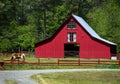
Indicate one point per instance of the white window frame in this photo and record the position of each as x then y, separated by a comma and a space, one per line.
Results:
74, 37
71, 37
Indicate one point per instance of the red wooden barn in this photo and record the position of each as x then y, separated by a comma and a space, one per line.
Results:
75, 38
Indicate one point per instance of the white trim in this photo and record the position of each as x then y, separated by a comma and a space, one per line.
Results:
68, 37
74, 37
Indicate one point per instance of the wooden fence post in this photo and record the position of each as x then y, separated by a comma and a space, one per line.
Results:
58, 61
98, 61
1, 65
119, 62
79, 61
38, 61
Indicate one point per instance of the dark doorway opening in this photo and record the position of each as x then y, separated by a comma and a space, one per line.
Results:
71, 50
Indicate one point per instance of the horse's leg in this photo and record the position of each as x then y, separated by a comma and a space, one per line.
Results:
22, 59
11, 59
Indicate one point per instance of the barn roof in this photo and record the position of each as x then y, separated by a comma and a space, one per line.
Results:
84, 24
86, 27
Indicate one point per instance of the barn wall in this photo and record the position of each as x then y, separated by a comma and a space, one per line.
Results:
53, 49
89, 47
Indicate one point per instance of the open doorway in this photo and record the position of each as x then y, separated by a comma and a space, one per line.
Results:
71, 50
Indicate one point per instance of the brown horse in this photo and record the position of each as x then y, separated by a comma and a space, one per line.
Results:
19, 56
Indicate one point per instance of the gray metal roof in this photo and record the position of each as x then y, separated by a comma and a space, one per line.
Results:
90, 30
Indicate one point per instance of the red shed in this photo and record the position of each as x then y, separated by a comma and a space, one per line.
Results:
75, 38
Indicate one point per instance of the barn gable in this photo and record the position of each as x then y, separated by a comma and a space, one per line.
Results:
90, 30
89, 43
84, 24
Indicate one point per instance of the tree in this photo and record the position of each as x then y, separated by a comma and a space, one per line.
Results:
105, 20
25, 22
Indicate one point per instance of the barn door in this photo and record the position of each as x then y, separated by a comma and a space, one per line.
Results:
71, 50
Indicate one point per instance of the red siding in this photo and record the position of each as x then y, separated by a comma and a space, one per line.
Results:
89, 46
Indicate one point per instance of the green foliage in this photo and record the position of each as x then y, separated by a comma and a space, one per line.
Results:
105, 20
99, 21
22, 21
4, 45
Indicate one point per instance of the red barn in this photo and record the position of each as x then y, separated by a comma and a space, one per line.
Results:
75, 38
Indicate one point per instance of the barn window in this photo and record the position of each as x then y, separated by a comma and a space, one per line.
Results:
71, 25
71, 37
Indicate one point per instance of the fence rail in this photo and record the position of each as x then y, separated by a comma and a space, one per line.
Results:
88, 62
80, 62
64, 62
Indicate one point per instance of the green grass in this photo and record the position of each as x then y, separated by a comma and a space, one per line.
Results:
33, 67
111, 66
88, 77
4, 58
33, 59
10, 82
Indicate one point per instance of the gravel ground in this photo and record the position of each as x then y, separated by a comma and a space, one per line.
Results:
23, 76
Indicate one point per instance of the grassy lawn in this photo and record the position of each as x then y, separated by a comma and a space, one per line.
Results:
34, 67
10, 82
87, 77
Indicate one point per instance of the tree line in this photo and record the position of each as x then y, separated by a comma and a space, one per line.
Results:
26, 22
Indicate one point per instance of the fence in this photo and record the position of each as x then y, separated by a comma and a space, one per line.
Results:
1, 65
80, 62
64, 62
